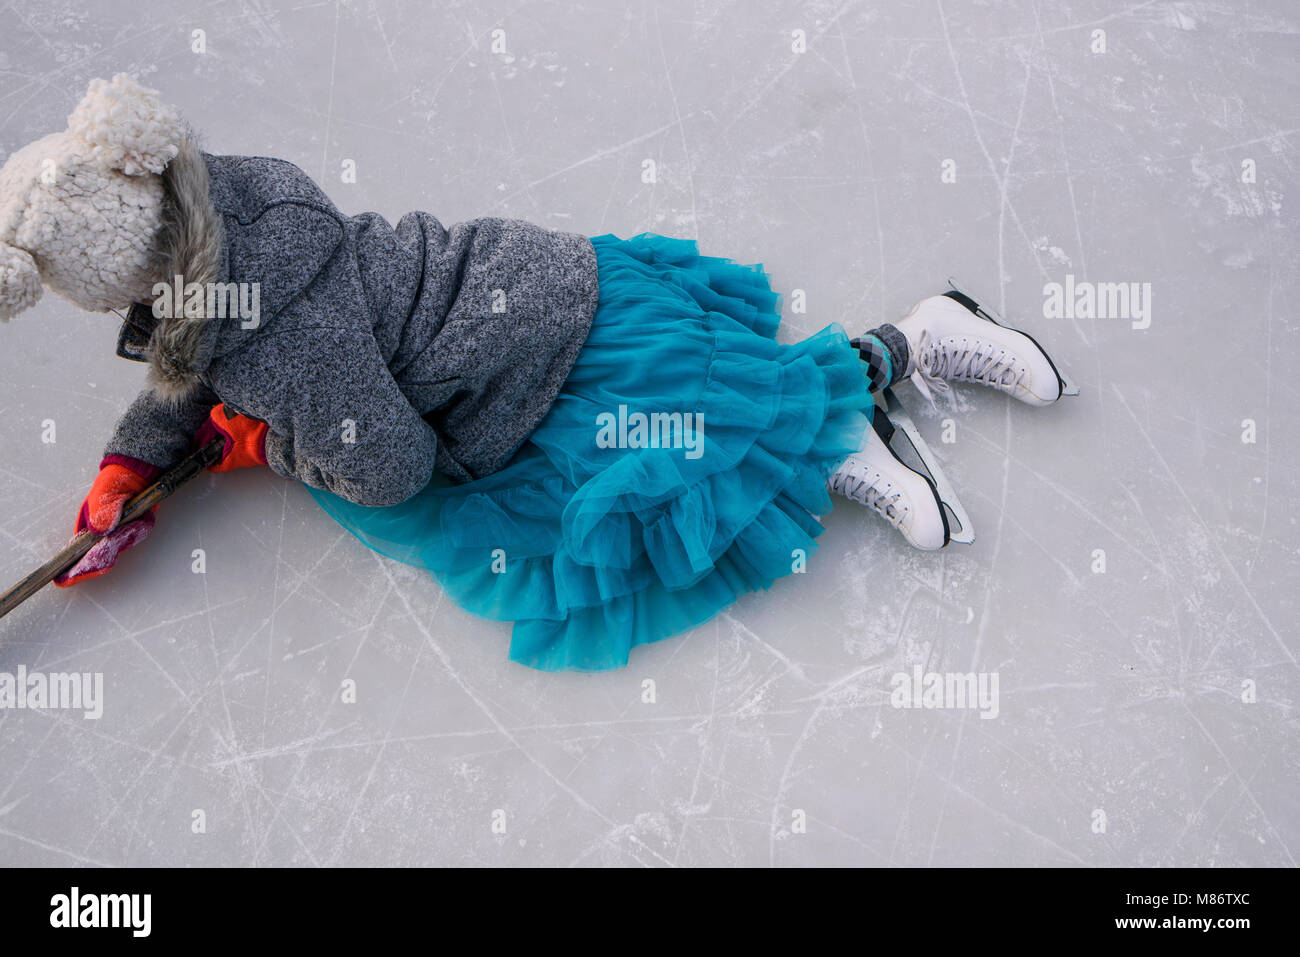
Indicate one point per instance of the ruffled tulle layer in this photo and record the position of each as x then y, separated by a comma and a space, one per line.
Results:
592, 544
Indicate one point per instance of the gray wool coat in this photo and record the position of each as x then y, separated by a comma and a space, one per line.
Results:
378, 354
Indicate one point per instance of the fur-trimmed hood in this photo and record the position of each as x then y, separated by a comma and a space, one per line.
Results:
190, 243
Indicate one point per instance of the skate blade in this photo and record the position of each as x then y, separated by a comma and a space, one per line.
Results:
1068, 386
960, 529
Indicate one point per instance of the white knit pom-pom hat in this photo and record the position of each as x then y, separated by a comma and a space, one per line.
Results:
80, 209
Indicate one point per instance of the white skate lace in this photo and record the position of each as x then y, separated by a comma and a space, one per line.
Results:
871, 489
938, 360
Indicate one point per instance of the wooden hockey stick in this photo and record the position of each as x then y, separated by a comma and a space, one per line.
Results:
72, 553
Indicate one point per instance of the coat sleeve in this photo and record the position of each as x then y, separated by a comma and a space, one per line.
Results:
336, 418
157, 431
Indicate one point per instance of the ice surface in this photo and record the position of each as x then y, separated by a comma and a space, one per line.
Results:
771, 738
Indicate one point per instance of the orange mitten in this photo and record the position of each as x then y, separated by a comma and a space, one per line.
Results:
120, 478
245, 439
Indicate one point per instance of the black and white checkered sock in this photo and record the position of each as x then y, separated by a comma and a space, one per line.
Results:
886, 353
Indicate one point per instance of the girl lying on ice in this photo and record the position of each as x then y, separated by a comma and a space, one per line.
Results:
598, 439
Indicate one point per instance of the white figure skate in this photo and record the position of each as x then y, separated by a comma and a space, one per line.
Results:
960, 529
954, 338
918, 503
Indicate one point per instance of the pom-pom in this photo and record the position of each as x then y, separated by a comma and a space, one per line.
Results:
20, 281
128, 126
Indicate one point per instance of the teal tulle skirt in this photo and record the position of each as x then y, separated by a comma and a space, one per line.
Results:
613, 527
